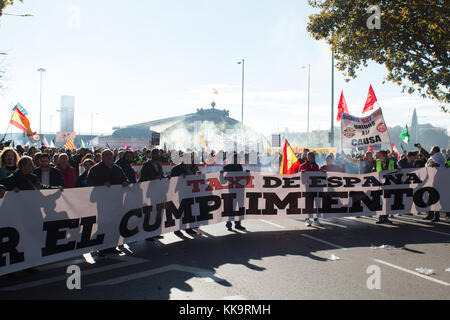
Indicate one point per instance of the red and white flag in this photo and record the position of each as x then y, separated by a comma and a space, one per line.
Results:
394, 148
342, 107
371, 99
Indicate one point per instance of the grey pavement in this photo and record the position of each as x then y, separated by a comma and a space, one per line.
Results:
273, 259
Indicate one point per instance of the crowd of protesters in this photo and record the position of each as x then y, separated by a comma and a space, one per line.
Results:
30, 168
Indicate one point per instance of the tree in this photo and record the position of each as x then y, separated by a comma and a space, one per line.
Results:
4, 3
412, 41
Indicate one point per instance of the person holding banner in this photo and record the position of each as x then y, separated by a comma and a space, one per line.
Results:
435, 160
46, 174
2, 191
67, 171
106, 173
125, 163
407, 162
331, 167
310, 165
9, 159
23, 178
152, 170
82, 179
368, 163
184, 170
384, 164
234, 167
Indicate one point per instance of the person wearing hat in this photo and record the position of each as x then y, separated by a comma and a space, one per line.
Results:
384, 164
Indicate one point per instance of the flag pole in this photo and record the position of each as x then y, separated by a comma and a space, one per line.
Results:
9, 123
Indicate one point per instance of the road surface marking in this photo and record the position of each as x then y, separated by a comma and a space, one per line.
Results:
128, 261
323, 241
234, 298
272, 224
202, 273
333, 224
89, 259
413, 272
438, 232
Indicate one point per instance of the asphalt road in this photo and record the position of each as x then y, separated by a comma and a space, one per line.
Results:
276, 259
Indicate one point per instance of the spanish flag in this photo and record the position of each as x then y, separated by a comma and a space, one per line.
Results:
69, 145
202, 141
290, 162
19, 120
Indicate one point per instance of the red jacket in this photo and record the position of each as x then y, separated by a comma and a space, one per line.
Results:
69, 176
308, 167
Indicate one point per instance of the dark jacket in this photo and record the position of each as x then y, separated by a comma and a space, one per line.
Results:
149, 173
186, 169
55, 177
100, 174
404, 164
23, 182
6, 171
367, 166
127, 169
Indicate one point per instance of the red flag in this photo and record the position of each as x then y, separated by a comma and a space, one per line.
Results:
371, 99
342, 107
394, 148
370, 148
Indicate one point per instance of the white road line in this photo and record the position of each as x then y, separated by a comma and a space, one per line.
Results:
323, 241
438, 232
273, 224
128, 261
333, 224
412, 272
202, 273
61, 264
402, 221
234, 298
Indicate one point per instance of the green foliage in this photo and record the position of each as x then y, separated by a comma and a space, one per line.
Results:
4, 3
413, 42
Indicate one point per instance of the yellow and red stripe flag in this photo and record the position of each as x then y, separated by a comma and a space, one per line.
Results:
290, 162
69, 145
20, 121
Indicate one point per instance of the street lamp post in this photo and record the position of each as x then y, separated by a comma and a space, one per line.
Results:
41, 70
309, 95
243, 72
332, 100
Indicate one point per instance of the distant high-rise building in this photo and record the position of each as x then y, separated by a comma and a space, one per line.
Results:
67, 111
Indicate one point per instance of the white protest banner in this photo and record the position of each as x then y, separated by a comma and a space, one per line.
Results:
40, 227
363, 132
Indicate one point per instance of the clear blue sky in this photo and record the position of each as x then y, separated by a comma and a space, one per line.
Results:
136, 61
